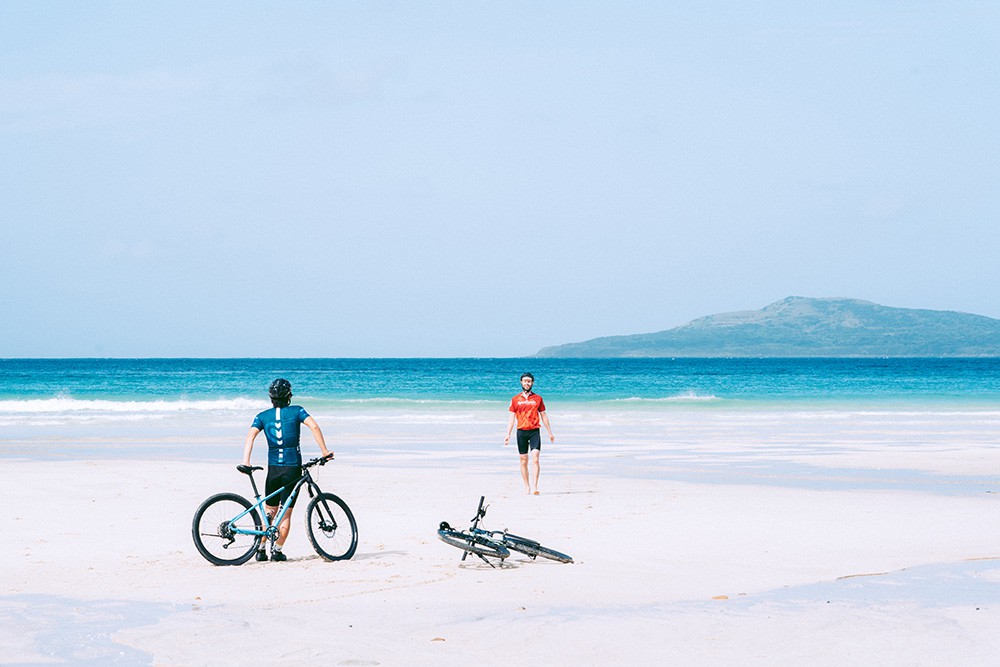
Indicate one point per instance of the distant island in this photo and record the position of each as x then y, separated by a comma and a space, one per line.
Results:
807, 327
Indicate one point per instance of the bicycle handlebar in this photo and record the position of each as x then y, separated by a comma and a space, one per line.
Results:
322, 460
481, 512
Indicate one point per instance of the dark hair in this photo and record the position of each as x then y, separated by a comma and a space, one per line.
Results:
528, 375
280, 392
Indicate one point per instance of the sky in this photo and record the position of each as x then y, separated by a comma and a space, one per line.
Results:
482, 179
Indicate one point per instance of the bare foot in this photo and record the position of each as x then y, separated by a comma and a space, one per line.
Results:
536, 493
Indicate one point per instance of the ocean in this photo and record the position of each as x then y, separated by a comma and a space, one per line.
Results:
136, 385
187, 407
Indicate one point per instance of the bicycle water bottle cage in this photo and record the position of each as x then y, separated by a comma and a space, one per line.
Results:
247, 470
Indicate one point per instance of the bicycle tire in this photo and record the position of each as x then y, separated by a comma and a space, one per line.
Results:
532, 548
212, 535
332, 528
476, 544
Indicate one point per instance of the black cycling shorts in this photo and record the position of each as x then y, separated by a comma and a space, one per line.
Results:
528, 440
281, 476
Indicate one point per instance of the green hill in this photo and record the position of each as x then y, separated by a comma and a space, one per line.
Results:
804, 327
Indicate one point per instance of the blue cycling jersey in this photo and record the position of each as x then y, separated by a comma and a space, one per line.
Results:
281, 427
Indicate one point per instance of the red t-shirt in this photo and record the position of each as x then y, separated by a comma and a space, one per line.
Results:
526, 408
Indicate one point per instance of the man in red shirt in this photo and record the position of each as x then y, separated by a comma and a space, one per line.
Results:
526, 410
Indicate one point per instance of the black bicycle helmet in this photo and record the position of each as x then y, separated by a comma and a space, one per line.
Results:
528, 375
280, 391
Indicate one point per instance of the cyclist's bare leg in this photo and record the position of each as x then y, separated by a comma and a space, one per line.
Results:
272, 511
535, 468
524, 473
283, 528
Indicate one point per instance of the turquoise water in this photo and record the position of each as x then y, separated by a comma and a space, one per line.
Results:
823, 422
77, 384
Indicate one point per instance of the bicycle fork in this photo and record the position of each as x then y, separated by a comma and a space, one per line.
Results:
327, 520
480, 513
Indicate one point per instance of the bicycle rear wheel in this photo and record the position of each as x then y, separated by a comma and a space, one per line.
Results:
475, 544
214, 534
332, 529
532, 548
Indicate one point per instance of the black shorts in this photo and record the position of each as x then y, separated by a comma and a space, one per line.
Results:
281, 476
528, 440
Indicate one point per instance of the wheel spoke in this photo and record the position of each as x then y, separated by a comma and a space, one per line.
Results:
332, 529
214, 534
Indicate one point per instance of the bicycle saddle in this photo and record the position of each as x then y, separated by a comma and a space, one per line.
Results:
246, 470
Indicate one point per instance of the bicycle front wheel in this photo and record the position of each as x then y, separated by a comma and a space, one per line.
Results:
532, 548
476, 544
216, 534
332, 529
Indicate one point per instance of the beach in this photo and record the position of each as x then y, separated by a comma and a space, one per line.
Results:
741, 537
742, 250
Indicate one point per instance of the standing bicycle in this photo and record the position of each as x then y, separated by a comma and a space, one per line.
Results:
281, 425
228, 529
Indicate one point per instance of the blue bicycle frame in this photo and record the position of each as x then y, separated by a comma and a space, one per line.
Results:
225, 539
270, 526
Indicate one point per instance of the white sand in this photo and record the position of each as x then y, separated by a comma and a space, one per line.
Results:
690, 549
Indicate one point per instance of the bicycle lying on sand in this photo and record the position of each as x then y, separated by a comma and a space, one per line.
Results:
228, 528
494, 543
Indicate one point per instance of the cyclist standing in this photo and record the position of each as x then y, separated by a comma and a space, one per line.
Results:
281, 425
526, 410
